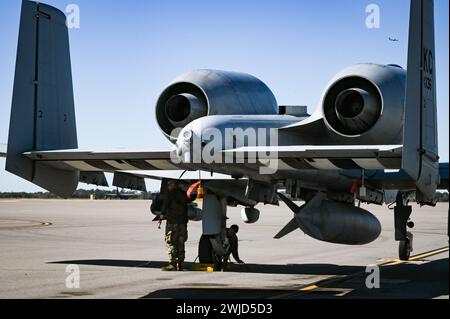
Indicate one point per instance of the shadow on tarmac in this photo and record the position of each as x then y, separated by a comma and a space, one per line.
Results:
405, 281
290, 269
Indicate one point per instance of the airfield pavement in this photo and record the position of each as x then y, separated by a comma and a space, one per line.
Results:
119, 252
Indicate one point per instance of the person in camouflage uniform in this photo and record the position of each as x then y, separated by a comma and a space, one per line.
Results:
174, 210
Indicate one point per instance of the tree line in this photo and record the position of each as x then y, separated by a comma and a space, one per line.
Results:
110, 194
80, 194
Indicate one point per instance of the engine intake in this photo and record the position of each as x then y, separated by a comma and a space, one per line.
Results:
364, 103
352, 106
182, 109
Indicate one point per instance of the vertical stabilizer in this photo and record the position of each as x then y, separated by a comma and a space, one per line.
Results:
420, 152
42, 111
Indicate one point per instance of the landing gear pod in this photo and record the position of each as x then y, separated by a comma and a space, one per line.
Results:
250, 215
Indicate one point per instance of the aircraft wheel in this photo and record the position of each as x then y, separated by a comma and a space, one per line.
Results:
405, 248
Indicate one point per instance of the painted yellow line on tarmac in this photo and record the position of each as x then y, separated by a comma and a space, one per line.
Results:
309, 288
392, 263
417, 257
429, 254
323, 283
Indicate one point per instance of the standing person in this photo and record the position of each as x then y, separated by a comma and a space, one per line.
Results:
174, 209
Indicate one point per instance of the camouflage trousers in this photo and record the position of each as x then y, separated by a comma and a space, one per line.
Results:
176, 236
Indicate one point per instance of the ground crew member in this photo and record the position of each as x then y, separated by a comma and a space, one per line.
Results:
174, 209
233, 241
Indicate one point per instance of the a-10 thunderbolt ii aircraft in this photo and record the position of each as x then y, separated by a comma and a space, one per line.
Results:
370, 119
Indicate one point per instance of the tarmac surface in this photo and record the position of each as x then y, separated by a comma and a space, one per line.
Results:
119, 251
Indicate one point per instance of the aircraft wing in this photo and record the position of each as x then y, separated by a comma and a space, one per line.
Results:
312, 157
152, 164
107, 161
182, 175
130, 168
118, 154
328, 157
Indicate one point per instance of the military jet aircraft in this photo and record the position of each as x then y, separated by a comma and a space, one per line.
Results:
371, 119
121, 195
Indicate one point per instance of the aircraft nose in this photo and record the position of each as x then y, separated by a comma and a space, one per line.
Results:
184, 144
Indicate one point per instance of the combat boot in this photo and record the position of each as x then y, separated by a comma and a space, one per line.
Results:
169, 267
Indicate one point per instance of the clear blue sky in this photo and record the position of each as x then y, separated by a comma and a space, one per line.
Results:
127, 51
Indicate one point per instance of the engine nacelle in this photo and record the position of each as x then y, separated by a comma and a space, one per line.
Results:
366, 101
250, 215
209, 92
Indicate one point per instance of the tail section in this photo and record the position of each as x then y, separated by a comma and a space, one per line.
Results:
420, 150
42, 113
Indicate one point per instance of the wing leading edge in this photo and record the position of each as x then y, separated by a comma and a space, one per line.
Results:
107, 161
311, 157
328, 157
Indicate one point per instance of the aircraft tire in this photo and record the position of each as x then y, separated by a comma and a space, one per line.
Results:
404, 250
